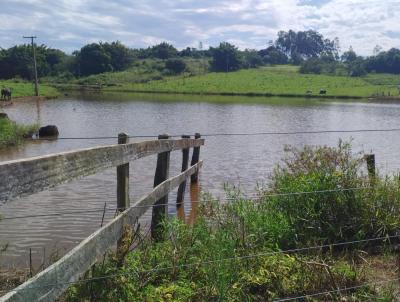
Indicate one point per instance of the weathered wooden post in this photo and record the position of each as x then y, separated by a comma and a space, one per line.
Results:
195, 159
370, 159
122, 179
185, 165
160, 208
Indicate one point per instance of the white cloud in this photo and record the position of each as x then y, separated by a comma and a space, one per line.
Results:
69, 24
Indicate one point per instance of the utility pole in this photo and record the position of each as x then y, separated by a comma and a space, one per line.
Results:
34, 64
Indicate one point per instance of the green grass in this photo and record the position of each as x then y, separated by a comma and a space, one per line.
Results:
383, 79
142, 71
150, 75
12, 134
279, 81
22, 89
226, 234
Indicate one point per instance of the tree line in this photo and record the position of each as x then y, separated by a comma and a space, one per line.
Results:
309, 49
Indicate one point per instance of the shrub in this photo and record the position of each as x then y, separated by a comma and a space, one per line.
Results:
175, 66
341, 214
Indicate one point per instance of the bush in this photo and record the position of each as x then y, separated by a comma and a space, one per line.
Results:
175, 66
343, 214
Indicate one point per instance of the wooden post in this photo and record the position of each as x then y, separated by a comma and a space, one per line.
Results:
370, 159
160, 208
185, 164
195, 159
122, 179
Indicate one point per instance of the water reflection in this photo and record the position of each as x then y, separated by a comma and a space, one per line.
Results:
194, 197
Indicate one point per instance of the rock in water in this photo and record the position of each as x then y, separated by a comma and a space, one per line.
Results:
49, 130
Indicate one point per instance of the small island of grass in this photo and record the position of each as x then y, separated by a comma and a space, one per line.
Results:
12, 133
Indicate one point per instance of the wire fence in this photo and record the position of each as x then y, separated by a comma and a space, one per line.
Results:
251, 197
339, 290
255, 195
235, 134
214, 261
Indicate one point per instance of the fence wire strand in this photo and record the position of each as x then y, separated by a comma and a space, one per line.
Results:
226, 199
337, 290
235, 134
208, 262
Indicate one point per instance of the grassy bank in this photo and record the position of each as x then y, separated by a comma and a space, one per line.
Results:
24, 89
283, 80
12, 134
234, 250
274, 81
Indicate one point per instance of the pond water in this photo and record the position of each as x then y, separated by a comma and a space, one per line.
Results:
240, 160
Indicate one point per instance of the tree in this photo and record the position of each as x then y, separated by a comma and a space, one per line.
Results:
306, 44
349, 56
326, 64
101, 57
93, 59
164, 51
312, 65
356, 68
273, 55
225, 57
377, 50
17, 61
121, 56
385, 62
175, 66
251, 59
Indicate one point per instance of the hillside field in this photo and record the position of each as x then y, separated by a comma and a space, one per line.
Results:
278, 81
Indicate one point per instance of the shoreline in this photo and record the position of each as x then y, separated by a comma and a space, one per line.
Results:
259, 94
34, 98
99, 89
4, 104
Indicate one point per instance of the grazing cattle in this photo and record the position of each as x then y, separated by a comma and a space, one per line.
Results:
309, 92
322, 91
6, 94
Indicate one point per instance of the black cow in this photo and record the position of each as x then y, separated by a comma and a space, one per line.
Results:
322, 91
6, 94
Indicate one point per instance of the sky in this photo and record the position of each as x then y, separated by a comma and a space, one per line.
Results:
70, 24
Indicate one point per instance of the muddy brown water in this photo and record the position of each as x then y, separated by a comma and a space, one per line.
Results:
240, 160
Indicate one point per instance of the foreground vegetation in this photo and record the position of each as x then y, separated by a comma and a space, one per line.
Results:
281, 80
12, 133
233, 252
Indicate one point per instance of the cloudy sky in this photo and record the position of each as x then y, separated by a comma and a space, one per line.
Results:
69, 24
